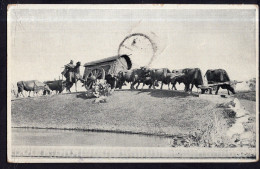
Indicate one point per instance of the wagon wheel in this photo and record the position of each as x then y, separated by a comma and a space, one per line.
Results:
93, 76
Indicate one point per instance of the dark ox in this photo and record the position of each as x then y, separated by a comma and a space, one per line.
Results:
190, 76
112, 81
156, 75
56, 85
219, 76
32, 85
131, 76
171, 79
147, 81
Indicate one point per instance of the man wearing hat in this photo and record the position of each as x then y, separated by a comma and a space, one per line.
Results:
69, 69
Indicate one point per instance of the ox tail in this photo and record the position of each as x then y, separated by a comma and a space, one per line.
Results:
168, 70
206, 74
35, 87
221, 76
226, 77
20, 87
165, 71
198, 77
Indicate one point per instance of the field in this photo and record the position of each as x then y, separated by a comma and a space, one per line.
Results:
154, 112
246, 95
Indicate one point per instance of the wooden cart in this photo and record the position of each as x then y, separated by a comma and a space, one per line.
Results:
104, 69
212, 85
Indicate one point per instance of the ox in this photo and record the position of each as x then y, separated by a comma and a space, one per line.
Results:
113, 81
156, 75
131, 76
147, 81
56, 85
219, 76
171, 79
32, 85
191, 76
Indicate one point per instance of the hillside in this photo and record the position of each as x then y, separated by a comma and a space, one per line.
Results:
156, 112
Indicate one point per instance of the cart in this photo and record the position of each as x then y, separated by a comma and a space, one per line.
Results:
212, 85
105, 69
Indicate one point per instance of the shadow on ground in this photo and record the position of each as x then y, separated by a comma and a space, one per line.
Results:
84, 96
162, 93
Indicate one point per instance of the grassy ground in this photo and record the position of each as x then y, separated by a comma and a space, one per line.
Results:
158, 112
246, 95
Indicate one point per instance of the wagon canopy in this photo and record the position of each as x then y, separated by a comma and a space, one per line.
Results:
122, 59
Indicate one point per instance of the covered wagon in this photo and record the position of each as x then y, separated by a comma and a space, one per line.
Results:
106, 69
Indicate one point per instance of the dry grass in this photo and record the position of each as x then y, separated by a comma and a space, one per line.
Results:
147, 111
246, 95
157, 112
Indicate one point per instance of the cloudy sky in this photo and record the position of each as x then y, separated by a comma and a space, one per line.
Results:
41, 41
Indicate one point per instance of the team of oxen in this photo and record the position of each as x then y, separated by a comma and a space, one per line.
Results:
190, 77
36, 87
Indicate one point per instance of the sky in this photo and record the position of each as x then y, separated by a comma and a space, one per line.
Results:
42, 41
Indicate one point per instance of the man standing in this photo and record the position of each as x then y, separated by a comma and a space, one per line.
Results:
69, 68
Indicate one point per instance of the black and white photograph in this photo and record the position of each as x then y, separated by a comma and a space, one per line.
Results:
132, 83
